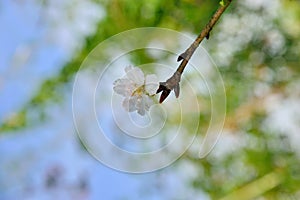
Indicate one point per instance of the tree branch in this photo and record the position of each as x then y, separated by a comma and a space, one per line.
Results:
173, 82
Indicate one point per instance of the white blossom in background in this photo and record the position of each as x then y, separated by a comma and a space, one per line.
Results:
137, 90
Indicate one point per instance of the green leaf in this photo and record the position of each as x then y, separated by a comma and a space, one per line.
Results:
222, 3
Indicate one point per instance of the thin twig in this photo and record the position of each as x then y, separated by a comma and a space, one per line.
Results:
173, 82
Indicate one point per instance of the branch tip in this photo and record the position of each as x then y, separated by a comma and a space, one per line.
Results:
171, 84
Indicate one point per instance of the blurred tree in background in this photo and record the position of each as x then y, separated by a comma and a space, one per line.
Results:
256, 46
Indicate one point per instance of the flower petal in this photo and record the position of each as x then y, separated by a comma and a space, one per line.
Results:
128, 68
148, 102
129, 104
136, 75
151, 84
143, 104
137, 89
124, 87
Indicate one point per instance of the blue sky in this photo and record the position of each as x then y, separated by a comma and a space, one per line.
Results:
26, 58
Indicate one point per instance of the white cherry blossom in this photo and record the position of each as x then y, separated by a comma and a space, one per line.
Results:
137, 90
